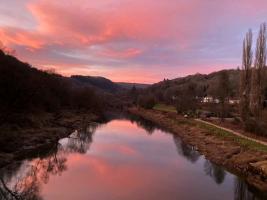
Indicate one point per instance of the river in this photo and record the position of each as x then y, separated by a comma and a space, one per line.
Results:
122, 159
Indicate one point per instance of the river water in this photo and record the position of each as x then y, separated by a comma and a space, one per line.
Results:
122, 159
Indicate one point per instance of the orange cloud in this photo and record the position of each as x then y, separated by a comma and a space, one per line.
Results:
11, 36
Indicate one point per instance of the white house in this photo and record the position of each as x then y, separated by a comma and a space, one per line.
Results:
209, 99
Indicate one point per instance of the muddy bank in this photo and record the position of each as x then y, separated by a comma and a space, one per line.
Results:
38, 133
245, 162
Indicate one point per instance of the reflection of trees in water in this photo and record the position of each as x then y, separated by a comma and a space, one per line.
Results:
216, 172
23, 181
189, 152
80, 141
244, 192
186, 150
241, 189
149, 126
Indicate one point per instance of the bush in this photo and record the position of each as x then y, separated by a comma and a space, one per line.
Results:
255, 126
147, 102
86, 99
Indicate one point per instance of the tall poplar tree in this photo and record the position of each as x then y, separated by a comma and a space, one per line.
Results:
257, 88
245, 76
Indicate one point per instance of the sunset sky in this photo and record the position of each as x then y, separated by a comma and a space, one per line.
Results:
130, 40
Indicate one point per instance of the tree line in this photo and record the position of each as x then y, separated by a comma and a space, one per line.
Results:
253, 81
25, 89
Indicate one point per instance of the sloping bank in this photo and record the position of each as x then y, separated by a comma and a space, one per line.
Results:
243, 157
40, 135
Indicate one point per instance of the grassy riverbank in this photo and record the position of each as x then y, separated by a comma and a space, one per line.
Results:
241, 156
163, 107
246, 143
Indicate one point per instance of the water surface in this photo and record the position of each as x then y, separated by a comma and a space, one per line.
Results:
123, 159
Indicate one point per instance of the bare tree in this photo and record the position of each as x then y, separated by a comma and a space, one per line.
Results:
245, 78
257, 95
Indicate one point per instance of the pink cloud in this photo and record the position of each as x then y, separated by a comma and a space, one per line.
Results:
127, 53
131, 39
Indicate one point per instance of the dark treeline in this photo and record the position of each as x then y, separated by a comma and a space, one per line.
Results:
187, 93
97, 82
24, 89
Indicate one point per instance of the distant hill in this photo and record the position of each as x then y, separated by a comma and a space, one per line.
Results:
205, 84
102, 83
130, 85
24, 88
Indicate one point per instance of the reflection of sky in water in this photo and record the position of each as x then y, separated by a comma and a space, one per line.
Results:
122, 161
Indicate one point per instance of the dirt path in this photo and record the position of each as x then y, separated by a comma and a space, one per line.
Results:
233, 132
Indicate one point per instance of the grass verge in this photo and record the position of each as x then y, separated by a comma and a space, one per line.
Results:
246, 143
165, 108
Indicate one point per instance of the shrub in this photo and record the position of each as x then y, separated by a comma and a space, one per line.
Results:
147, 102
255, 126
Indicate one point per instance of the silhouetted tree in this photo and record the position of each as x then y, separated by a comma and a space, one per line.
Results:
186, 101
223, 92
258, 76
134, 94
245, 78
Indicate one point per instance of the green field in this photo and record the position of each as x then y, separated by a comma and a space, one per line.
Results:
166, 108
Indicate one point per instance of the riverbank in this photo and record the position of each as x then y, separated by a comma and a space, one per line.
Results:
39, 132
240, 156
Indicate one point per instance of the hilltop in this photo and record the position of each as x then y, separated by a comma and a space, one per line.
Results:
205, 84
96, 82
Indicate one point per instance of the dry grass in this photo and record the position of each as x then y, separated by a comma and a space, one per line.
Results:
246, 143
165, 108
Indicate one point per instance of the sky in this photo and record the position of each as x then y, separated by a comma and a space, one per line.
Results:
130, 40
